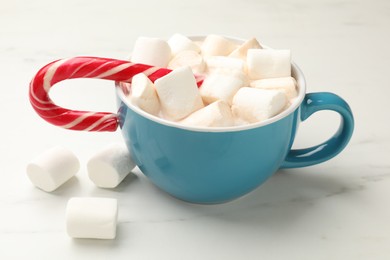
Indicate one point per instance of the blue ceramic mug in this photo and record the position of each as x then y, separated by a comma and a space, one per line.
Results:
215, 165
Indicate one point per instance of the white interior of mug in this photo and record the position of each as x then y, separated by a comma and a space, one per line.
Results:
295, 72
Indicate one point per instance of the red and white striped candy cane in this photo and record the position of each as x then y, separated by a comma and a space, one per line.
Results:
84, 67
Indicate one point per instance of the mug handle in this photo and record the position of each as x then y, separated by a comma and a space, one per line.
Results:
85, 67
312, 103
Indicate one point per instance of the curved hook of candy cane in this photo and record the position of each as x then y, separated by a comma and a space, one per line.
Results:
84, 67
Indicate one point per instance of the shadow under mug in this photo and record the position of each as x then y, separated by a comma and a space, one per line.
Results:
195, 164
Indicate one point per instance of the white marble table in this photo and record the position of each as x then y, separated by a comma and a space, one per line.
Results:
337, 210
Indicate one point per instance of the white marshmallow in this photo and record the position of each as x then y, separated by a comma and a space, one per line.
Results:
268, 63
254, 105
144, 95
239, 121
52, 168
286, 84
215, 45
228, 64
221, 87
179, 43
188, 58
91, 218
217, 114
151, 51
179, 94
199, 43
241, 51
108, 167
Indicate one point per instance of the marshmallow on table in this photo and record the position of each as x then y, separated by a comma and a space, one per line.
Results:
108, 167
268, 63
221, 86
179, 43
178, 93
188, 58
144, 95
151, 51
241, 51
228, 64
254, 105
52, 168
217, 114
92, 218
215, 45
287, 84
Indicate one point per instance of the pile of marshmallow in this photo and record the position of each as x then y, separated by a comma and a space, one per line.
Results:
244, 83
86, 217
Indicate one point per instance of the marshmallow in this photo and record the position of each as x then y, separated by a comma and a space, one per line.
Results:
215, 45
239, 121
108, 167
52, 168
286, 84
268, 63
227, 64
254, 105
151, 51
217, 114
241, 51
221, 86
179, 43
144, 95
91, 218
188, 58
179, 94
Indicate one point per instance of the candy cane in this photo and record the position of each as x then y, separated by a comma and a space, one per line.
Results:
84, 67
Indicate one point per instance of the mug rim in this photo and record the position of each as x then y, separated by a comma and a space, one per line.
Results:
296, 73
